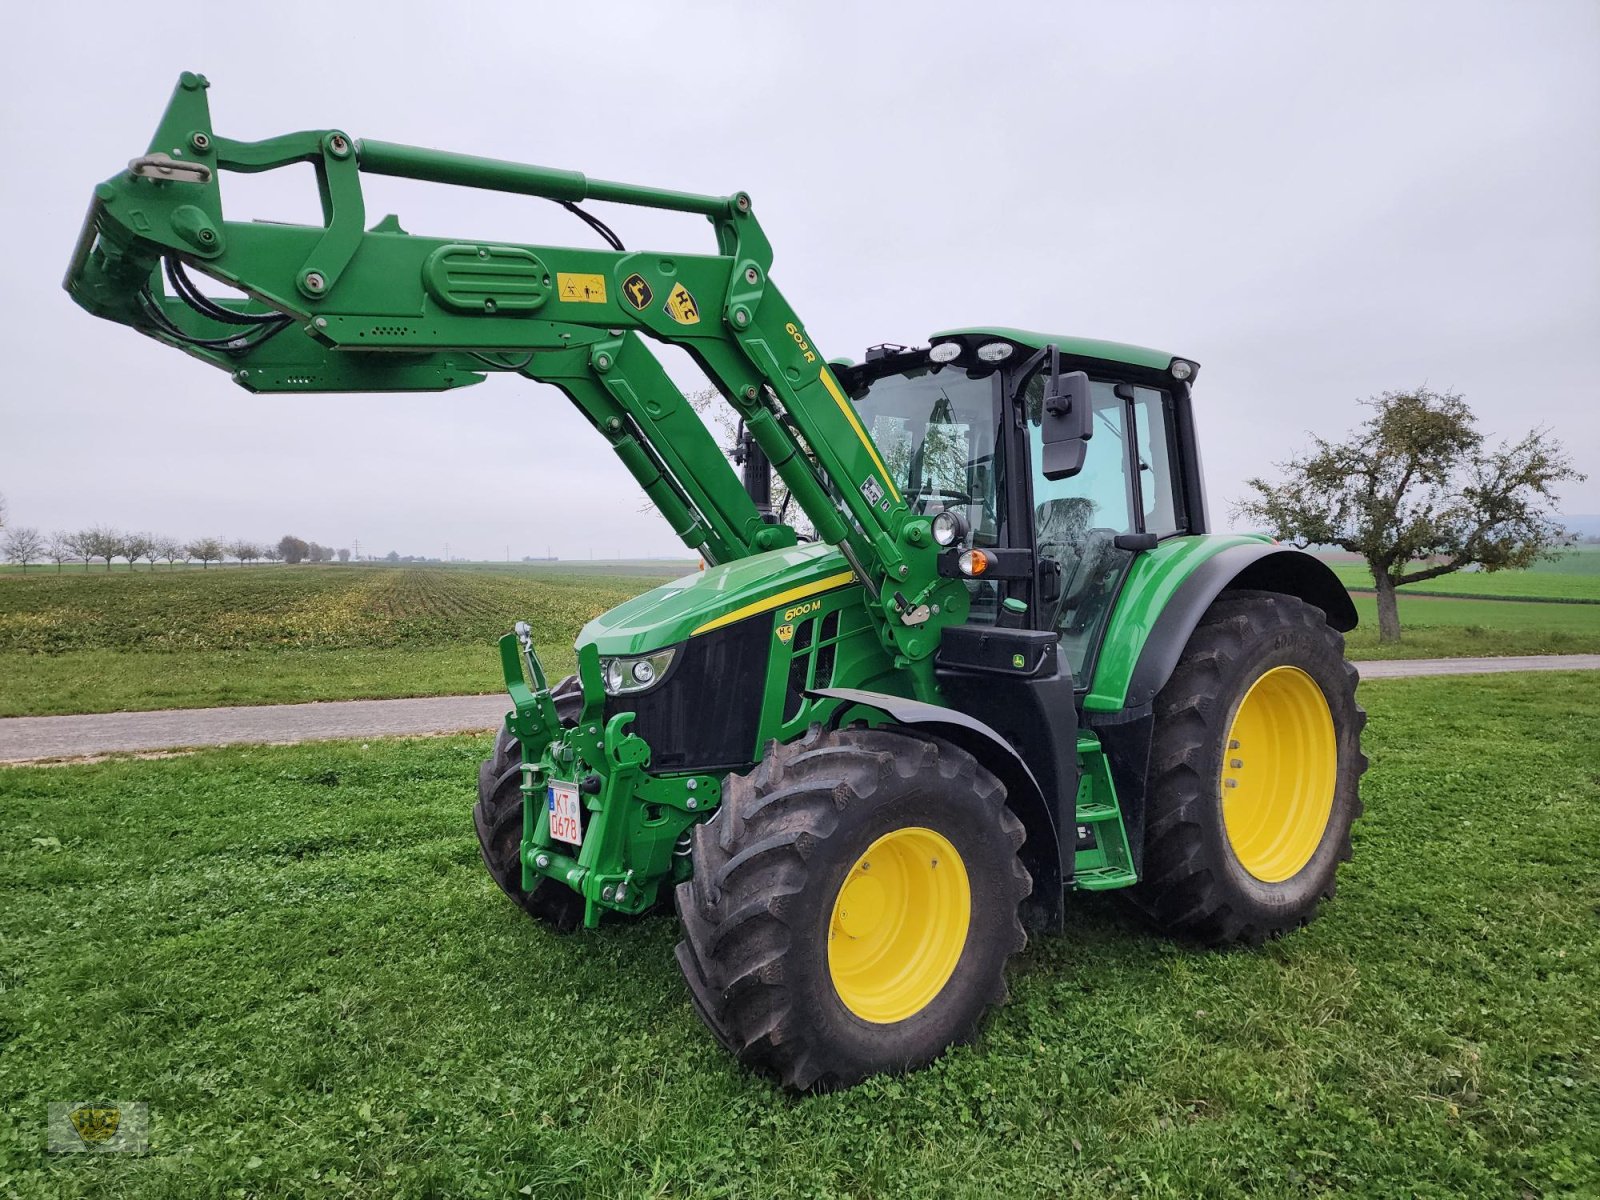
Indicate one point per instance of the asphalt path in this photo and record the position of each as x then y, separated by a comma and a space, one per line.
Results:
44, 739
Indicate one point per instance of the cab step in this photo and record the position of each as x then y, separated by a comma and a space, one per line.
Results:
1103, 860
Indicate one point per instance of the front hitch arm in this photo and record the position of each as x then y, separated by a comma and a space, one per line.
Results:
533, 720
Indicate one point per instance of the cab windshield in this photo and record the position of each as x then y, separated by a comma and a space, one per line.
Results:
937, 429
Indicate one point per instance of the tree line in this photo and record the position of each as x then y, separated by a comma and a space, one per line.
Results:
24, 545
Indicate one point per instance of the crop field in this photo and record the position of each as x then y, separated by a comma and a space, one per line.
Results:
106, 641
294, 956
102, 641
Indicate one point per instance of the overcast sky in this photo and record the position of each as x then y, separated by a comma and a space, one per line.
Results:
1317, 202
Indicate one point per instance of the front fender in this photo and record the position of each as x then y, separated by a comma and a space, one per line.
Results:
1042, 852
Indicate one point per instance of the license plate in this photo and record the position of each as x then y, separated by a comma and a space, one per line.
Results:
566, 813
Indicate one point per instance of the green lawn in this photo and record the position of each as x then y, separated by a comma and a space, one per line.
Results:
293, 955
1572, 576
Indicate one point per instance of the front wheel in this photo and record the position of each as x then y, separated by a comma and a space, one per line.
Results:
1255, 767
853, 906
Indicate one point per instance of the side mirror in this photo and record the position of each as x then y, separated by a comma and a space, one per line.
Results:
1066, 423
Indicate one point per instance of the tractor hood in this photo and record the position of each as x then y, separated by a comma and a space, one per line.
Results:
715, 597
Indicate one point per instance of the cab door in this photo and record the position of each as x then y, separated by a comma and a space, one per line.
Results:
1086, 528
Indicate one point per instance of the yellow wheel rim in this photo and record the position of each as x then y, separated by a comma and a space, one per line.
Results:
1279, 770
899, 925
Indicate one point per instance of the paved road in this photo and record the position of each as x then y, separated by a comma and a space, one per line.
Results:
1402, 668
29, 739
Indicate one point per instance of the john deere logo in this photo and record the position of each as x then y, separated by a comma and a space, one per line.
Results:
1017, 661
637, 291
681, 307
785, 633
96, 1124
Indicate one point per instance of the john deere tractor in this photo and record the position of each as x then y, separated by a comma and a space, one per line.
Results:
1005, 662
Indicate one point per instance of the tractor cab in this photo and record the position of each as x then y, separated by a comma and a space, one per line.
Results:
963, 428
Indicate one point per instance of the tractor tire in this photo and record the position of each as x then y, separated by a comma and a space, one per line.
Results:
498, 819
1255, 768
813, 968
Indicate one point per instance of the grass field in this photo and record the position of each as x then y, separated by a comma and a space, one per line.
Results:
1572, 576
294, 956
1436, 627
100, 641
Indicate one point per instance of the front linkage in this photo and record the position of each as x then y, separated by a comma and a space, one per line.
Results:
627, 828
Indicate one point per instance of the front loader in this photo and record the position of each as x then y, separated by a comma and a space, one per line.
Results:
1010, 664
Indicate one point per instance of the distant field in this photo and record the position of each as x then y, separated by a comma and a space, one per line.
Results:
1573, 576
101, 641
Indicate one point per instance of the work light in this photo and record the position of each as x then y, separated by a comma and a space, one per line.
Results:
949, 527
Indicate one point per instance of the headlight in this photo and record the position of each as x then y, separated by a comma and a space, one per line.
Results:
995, 352
949, 528
624, 675
1181, 370
945, 352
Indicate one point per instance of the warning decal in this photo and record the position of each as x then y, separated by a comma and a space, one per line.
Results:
581, 289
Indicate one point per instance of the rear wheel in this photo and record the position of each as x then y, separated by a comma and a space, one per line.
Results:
498, 819
1254, 773
853, 905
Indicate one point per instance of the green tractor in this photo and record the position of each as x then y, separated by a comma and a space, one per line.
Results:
1001, 659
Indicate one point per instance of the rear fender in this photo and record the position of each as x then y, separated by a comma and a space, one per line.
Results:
1131, 677
1265, 568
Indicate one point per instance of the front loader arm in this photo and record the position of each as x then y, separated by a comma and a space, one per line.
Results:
350, 308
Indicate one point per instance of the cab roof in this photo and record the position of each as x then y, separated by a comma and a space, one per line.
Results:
1076, 347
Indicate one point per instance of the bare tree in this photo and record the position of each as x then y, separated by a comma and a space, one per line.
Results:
23, 545
60, 548
344, 555
136, 546
207, 550
318, 553
2, 510
271, 553
102, 543
151, 549
244, 550
170, 549
293, 549
82, 545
